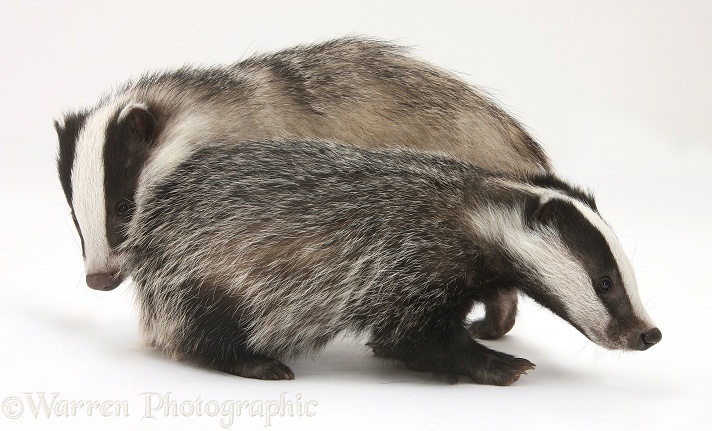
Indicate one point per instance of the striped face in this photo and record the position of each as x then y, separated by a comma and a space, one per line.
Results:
572, 263
101, 155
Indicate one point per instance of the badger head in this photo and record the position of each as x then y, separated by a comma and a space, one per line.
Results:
568, 259
101, 155
584, 276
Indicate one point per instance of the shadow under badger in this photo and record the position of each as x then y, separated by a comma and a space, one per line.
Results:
248, 254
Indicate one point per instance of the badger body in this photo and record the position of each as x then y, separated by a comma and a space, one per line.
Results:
244, 255
356, 91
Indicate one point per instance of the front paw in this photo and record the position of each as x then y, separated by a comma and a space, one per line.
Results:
499, 369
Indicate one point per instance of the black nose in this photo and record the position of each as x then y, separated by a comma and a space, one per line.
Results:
650, 338
104, 281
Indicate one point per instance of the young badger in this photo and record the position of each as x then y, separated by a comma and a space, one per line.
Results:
245, 254
356, 91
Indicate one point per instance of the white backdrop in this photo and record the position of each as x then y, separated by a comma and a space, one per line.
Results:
618, 93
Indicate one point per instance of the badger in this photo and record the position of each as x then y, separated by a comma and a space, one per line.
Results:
358, 91
248, 254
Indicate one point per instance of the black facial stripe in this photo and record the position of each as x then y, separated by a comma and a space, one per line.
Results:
67, 136
585, 241
125, 154
590, 247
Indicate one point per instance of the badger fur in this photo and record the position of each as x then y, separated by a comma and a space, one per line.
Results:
357, 91
247, 254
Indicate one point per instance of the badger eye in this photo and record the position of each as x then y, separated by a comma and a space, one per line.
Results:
123, 208
605, 284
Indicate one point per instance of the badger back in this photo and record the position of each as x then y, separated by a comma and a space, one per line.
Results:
569, 260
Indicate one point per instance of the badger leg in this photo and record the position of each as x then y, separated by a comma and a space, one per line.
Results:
452, 353
466, 357
222, 348
500, 315
218, 348
199, 324
228, 354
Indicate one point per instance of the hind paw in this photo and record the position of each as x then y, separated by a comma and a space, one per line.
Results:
500, 314
379, 350
263, 369
485, 329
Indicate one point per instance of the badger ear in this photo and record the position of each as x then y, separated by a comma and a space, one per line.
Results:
138, 117
539, 210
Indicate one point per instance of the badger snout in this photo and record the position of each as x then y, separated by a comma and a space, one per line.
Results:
649, 338
104, 280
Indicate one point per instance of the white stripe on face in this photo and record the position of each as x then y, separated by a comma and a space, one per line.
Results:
88, 199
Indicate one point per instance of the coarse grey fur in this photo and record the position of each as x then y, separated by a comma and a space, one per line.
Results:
358, 91
247, 254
